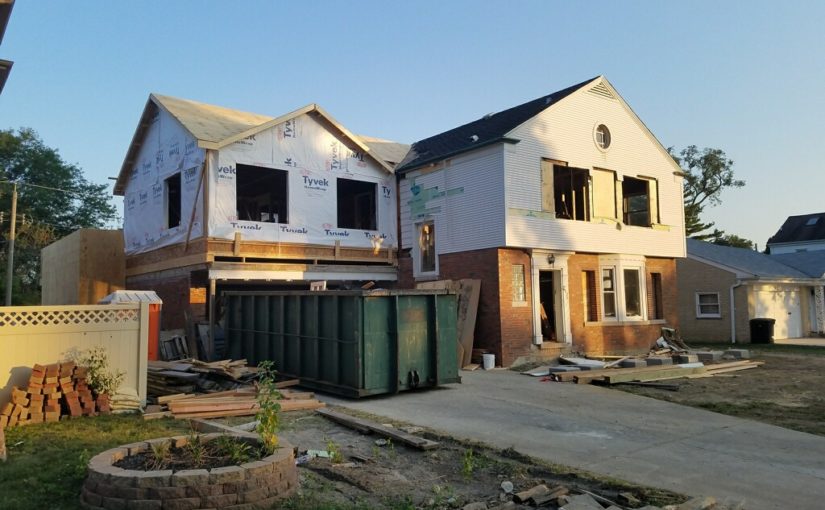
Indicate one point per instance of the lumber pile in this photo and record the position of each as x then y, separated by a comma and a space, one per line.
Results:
612, 376
194, 376
236, 402
53, 391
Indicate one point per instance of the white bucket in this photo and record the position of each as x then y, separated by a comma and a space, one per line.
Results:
489, 361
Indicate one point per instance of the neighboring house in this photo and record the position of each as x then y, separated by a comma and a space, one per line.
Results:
798, 234
221, 199
5, 65
567, 208
722, 288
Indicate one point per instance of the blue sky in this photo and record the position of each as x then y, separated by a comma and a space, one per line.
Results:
743, 76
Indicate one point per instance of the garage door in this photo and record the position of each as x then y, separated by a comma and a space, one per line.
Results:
784, 306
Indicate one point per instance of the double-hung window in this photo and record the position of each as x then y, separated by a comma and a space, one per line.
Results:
708, 306
623, 289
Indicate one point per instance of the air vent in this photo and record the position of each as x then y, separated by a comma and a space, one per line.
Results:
602, 90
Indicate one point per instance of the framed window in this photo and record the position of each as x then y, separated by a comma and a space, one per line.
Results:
708, 305
632, 293
173, 200
635, 202
609, 292
602, 137
427, 262
261, 194
357, 204
519, 287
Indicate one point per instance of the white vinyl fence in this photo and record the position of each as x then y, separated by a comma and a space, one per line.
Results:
49, 334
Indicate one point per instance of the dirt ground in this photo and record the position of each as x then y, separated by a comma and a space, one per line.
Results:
394, 476
786, 391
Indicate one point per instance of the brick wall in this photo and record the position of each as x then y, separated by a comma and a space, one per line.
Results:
612, 338
694, 276
516, 318
174, 291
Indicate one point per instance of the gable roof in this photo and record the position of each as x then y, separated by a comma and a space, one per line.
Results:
389, 151
811, 263
215, 127
796, 229
745, 262
484, 131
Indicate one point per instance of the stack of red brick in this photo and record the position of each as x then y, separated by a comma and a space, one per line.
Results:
55, 390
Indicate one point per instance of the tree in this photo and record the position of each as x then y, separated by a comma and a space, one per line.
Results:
707, 173
53, 200
733, 240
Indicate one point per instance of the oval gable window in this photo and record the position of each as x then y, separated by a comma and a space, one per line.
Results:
602, 135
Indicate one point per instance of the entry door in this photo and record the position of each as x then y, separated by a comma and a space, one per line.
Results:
550, 306
784, 307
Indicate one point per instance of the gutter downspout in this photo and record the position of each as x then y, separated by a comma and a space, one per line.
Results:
733, 312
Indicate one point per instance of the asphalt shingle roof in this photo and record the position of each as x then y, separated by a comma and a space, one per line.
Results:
745, 260
489, 129
796, 229
811, 263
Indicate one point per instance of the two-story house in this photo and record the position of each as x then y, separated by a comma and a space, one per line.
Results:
567, 208
218, 199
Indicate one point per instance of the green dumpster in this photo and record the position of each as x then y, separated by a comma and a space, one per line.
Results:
352, 343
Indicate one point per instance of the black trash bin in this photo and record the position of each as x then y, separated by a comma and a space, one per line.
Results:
762, 331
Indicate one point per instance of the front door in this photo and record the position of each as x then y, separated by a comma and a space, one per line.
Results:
549, 305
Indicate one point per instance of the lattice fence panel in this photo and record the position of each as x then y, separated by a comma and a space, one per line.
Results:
67, 317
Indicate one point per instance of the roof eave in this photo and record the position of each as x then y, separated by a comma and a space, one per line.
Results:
134, 147
410, 167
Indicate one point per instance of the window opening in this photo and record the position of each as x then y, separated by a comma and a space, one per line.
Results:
571, 193
707, 305
426, 242
173, 200
356, 204
657, 307
636, 202
603, 137
261, 194
519, 287
590, 296
632, 293
609, 292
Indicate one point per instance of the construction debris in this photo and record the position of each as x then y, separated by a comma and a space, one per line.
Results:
237, 402
55, 390
367, 426
190, 376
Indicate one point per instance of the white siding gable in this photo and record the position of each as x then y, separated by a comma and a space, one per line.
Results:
565, 132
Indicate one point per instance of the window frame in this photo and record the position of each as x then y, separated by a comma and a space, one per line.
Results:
699, 304
522, 285
419, 252
613, 291
277, 174
619, 264
371, 194
167, 200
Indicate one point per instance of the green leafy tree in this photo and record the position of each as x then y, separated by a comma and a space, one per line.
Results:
734, 241
53, 200
708, 172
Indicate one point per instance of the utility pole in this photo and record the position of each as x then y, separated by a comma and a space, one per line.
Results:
10, 267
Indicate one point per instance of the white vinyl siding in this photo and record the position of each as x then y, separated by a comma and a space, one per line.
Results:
465, 198
564, 132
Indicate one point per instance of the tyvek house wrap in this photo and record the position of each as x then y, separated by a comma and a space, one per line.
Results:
315, 159
166, 150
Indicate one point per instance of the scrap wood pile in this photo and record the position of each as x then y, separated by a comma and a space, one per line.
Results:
642, 374
53, 391
189, 376
242, 401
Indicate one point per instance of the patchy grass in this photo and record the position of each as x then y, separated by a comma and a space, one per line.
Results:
757, 350
47, 462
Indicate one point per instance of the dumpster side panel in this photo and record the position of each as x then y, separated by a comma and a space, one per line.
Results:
447, 359
379, 353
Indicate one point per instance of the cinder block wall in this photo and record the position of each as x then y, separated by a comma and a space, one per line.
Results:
694, 276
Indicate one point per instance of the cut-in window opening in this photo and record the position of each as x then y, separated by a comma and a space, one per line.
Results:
426, 247
636, 202
519, 286
261, 194
632, 293
357, 204
609, 292
571, 193
590, 296
173, 200
707, 305
657, 306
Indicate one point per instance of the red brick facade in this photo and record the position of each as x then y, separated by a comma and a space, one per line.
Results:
505, 327
175, 293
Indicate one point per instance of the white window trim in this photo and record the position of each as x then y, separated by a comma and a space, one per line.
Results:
619, 263
699, 314
615, 293
417, 272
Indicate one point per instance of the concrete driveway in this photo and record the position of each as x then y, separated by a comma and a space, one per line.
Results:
633, 438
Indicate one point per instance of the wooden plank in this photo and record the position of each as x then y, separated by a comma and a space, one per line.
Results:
653, 375
168, 398
287, 383
398, 435
155, 416
470, 292
300, 405
209, 407
215, 414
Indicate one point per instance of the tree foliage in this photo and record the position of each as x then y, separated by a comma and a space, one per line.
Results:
708, 172
733, 240
53, 200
